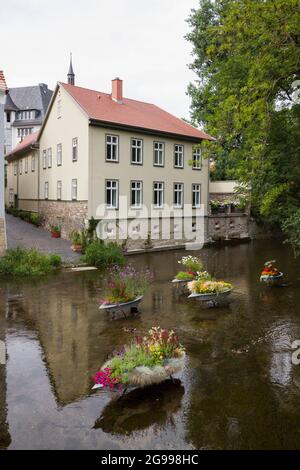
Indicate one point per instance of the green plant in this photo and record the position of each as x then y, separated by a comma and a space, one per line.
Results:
125, 284
208, 287
55, 228
103, 255
184, 276
76, 238
21, 262
192, 264
36, 219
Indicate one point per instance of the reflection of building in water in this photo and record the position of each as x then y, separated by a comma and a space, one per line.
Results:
4, 434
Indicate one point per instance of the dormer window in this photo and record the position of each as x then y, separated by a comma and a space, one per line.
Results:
26, 115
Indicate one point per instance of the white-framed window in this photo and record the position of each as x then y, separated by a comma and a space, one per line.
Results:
21, 167
33, 163
49, 157
178, 156
59, 190
44, 159
136, 151
196, 195
158, 194
75, 149
136, 194
112, 194
59, 154
11, 196
24, 131
58, 108
15, 169
178, 195
112, 148
159, 153
46, 190
74, 190
197, 159
26, 165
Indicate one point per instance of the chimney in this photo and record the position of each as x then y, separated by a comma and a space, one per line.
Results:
117, 90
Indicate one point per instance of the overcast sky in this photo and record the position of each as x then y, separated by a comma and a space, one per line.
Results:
140, 41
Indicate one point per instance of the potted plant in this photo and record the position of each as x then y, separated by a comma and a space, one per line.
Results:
55, 231
147, 360
192, 265
125, 289
209, 290
270, 274
76, 239
214, 206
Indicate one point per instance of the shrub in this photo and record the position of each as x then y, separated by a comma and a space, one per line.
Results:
21, 262
184, 276
36, 219
103, 255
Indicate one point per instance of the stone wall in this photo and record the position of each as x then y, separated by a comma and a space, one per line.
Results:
2, 236
71, 215
228, 227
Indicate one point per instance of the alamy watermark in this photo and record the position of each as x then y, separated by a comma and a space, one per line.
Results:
296, 353
2, 353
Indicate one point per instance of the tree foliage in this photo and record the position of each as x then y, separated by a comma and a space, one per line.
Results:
247, 60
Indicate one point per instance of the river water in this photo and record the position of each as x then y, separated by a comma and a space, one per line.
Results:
240, 389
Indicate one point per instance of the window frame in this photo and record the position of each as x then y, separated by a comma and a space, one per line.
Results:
59, 163
182, 195
74, 198
33, 163
163, 154
74, 146
44, 159
46, 185
117, 146
141, 148
59, 188
49, 157
163, 194
181, 167
197, 168
193, 192
26, 165
117, 194
141, 194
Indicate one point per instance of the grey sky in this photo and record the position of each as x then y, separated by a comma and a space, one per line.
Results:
141, 41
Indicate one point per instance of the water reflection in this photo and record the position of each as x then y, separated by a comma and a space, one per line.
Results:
239, 390
142, 408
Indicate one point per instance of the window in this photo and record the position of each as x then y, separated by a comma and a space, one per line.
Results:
136, 194
58, 108
44, 159
74, 149
59, 190
46, 190
11, 196
112, 148
197, 159
33, 163
178, 194
26, 165
196, 195
49, 153
24, 131
159, 154
74, 190
15, 169
158, 194
137, 151
178, 156
7, 116
20, 167
112, 194
59, 154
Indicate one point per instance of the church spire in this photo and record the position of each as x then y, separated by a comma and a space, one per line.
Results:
71, 74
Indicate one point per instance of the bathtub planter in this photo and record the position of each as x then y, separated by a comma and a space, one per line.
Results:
214, 297
181, 285
148, 360
209, 291
122, 307
271, 280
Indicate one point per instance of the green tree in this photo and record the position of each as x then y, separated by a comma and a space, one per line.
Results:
247, 61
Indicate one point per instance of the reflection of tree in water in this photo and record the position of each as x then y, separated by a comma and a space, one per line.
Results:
141, 408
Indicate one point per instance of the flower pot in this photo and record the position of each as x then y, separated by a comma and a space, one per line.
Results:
123, 307
55, 234
76, 248
271, 280
214, 297
181, 285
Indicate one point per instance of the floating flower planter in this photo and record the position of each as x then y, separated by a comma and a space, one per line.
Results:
125, 290
210, 291
147, 361
193, 266
270, 274
123, 307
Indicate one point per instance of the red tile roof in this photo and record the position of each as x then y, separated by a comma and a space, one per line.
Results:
26, 143
3, 85
138, 114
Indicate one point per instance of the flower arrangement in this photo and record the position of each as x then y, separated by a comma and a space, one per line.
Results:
55, 231
270, 269
192, 266
208, 287
125, 284
147, 360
